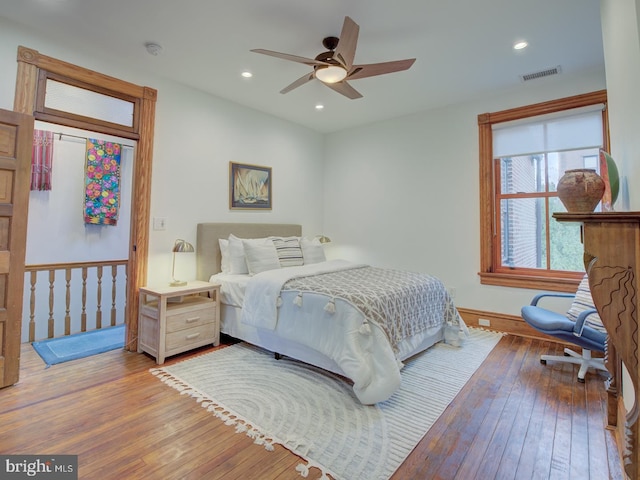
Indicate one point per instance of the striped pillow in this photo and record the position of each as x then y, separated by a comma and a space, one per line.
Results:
582, 302
289, 251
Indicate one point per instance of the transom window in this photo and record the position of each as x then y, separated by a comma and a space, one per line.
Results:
524, 152
87, 103
69, 101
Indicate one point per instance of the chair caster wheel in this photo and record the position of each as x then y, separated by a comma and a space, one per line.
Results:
543, 362
581, 380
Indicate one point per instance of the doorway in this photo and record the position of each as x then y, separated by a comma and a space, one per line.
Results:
33, 71
80, 295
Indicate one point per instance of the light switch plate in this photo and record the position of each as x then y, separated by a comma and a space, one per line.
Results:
159, 223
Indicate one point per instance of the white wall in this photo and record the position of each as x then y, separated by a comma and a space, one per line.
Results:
621, 42
56, 232
404, 193
197, 135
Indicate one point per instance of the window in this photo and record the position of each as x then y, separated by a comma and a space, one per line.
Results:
523, 154
70, 101
84, 102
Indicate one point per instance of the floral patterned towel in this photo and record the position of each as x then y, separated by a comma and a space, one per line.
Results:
102, 182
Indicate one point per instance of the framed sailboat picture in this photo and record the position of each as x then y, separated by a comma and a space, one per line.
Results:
249, 186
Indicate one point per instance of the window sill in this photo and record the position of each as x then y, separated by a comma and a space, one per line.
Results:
554, 284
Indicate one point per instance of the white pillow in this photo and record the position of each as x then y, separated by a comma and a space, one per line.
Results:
260, 255
312, 251
237, 263
582, 302
289, 251
225, 263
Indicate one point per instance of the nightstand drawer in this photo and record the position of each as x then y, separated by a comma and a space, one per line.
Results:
201, 334
193, 318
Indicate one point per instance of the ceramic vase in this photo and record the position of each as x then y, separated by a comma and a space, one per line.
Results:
581, 190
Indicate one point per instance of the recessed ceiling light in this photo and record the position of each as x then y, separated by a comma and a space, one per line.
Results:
247, 74
520, 45
319, 106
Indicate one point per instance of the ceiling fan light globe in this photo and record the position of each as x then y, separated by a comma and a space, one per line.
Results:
331, 74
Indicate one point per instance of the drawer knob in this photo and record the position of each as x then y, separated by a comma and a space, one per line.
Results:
193, 319
193, 335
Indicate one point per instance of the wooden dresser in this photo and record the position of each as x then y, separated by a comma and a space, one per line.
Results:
176, 319
612, 259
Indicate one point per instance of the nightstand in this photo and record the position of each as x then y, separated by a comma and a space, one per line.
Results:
176, 319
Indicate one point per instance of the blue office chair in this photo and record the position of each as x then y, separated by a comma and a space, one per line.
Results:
581, 326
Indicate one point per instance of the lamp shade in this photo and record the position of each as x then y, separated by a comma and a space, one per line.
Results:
181, 246
331, 74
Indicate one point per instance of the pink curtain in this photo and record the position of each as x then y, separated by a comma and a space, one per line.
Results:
41, 160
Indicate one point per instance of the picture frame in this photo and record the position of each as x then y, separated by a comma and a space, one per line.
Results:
250, 187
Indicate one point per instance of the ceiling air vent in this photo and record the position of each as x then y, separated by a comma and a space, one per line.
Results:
542, 73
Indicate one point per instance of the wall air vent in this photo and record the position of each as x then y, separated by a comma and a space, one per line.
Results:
542, 73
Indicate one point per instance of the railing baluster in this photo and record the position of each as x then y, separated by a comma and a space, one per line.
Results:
32, 306
52, 279
83, 315
67, 317
114, 276
99, 299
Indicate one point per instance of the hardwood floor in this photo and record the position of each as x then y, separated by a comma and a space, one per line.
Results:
515, 419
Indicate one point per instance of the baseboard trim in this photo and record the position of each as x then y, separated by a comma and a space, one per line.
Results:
502, 322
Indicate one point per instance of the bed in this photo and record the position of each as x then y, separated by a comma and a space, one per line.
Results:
328, 313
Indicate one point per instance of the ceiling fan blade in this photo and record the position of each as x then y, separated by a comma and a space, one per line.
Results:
345, 89
346, 49
301, 81
373, 69
292, 58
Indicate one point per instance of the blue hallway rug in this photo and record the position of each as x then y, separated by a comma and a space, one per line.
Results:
80, 345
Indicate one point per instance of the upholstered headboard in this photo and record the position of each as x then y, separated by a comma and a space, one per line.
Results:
208, 248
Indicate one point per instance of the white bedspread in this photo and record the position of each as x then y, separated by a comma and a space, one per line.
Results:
260, 307
359, 347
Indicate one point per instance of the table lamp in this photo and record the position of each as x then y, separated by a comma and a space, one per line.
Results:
184, 247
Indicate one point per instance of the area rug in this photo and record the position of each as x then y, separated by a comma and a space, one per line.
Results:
316, 415
80, 345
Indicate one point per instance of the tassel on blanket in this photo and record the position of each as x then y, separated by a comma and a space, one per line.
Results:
298, 300
452, 335
330, 307
365, 329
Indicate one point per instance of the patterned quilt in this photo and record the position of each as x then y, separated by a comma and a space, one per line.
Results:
401, 303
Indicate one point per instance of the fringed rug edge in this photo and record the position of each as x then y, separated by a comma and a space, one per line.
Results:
241, 424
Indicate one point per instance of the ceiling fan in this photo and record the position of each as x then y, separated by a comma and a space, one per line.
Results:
335, 66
